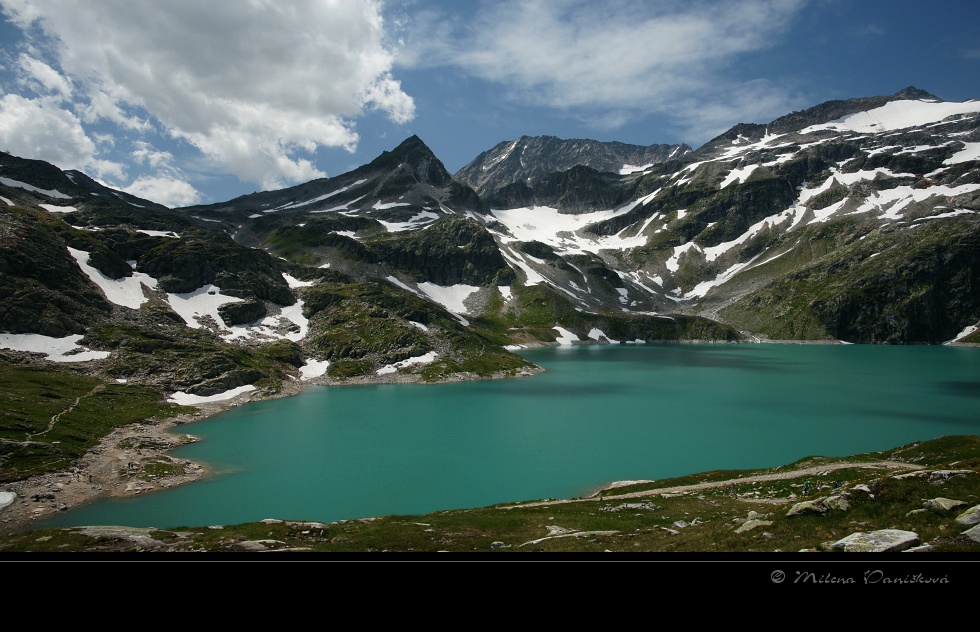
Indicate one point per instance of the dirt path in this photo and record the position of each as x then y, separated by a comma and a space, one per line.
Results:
779, 476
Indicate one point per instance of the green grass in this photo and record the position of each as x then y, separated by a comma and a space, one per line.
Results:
49, 417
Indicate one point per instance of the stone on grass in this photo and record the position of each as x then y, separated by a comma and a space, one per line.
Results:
973, 533
883, 541
970, 516
748, 525
942, 505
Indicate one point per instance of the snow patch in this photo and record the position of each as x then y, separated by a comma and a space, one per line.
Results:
422, 359
127, 291
565, 337
451, 297
970, 152
53, 193
186, 399
597, 334
159, 233
64, 349
313, 368
51, 208
293, 282
202, 302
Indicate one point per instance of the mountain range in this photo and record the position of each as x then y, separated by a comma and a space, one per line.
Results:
855, 220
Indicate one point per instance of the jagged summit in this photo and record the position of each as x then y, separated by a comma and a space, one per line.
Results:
529, 159
913, 93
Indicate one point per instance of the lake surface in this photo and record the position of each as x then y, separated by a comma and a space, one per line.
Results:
598, 414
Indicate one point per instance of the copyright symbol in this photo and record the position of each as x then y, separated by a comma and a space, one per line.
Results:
777, 577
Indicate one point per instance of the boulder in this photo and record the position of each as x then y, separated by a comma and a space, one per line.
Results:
819, 506
941, 476
748, 525
807, 507
838, 503
7, 499
973, 533
942, 505
970, 516
883, 541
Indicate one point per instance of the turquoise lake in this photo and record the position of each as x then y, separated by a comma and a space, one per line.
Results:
598, 414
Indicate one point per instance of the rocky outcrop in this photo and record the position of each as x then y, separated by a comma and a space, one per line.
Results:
451, 251
529, 159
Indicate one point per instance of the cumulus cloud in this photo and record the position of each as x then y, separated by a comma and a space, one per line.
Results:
166, 190
257, 87
43, 78
618, 58
41, 129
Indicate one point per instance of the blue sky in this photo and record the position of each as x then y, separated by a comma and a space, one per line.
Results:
186, 102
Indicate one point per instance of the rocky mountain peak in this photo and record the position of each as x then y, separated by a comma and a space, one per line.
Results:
530, 159
913, 93
416, 156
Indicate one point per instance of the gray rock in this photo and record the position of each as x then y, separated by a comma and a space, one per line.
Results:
7, 499
942, 505
883, 541
807, 507
973, 533
838, 503
970, 516
681, 524
941, 476
748, 525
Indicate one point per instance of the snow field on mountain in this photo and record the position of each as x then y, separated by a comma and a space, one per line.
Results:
52, 193
559, 230
451, 297
64, 349
897, 115
127, 291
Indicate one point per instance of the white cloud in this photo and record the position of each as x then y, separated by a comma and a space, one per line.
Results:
41, 129
166, 190
145, 153
38, 72
622, 58
254, 86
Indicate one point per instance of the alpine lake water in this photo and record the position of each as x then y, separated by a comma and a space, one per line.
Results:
600, 413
